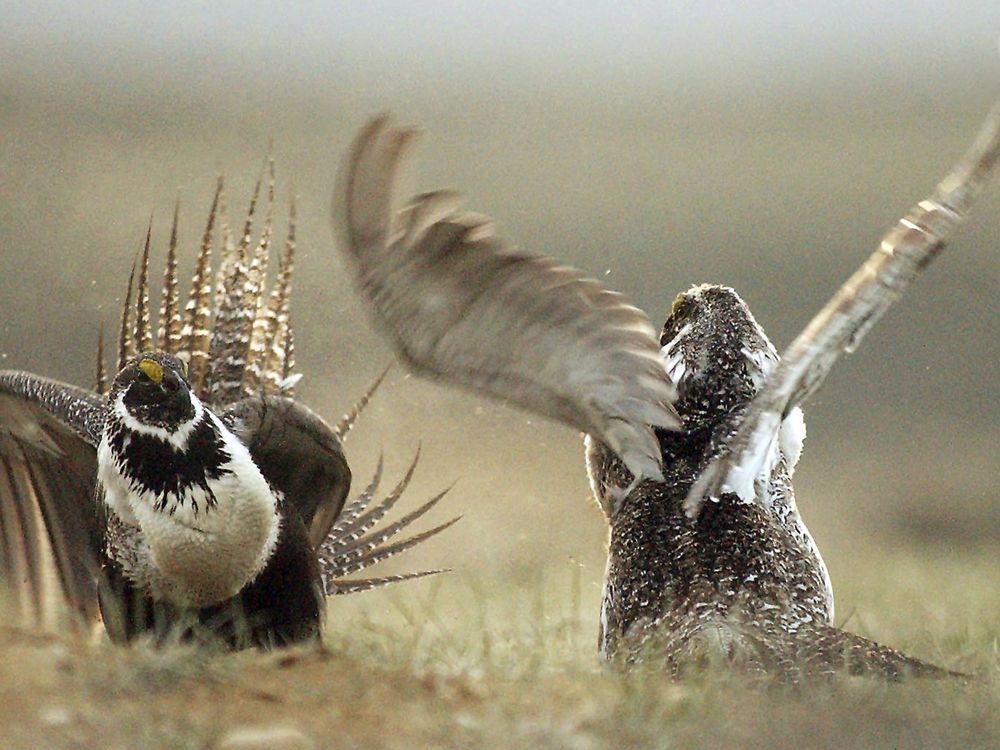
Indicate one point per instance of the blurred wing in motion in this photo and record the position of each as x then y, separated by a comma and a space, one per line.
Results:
51, 534
461, 309
905, 251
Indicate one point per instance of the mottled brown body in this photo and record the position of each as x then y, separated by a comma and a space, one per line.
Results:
731, 567
743, 581
691, 445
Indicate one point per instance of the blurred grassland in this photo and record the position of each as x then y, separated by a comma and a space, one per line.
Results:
779, 195
464, 662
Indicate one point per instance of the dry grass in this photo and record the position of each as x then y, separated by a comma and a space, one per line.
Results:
462, 663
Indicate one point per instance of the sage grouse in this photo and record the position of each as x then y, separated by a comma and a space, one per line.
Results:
691, 440
195, 498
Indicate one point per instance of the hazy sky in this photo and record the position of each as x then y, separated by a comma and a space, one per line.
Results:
584, 39
759, 144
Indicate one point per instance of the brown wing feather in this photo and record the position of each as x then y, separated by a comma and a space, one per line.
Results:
906, 250
51, 530
462, 309
298, 453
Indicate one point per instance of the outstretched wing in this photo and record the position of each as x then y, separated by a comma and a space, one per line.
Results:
905, 251
51, 534
298, 453
462, 309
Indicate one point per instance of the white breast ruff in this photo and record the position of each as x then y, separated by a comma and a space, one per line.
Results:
199, 557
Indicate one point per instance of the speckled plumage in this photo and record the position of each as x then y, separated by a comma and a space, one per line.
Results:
744, 579
709, 557
111, 502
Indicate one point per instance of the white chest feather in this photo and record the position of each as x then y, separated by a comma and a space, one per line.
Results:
203, 545
775, 439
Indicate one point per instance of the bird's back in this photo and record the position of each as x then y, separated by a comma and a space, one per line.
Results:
704, 579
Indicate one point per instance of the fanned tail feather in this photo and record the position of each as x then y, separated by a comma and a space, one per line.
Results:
195, 333
349, 547
231, 330
101, 377
356, 507
278, 308
254, 296
143, 328
362, 547
288, 376
346, 532
125, 346
380, 554
358, 585
169, 333
234, 334
347, 421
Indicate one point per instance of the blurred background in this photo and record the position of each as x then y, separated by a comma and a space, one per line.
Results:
766, 146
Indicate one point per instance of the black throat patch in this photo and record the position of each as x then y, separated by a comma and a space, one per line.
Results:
152, 465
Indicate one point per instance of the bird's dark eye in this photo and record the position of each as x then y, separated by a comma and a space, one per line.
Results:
680, 307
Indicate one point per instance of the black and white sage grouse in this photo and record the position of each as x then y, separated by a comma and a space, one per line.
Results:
195, 497
692, 439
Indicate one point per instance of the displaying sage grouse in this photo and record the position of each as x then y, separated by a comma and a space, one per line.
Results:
691, 440
195, 497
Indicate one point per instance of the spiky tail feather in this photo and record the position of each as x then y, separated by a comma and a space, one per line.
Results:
354, 544
346, 423
244, 346
234, 315
125, 346
257, 327
143, 328
168, 336
196, 334
277, 313
101, 376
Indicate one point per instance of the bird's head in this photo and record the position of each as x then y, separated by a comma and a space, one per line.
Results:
154, 390
715, 352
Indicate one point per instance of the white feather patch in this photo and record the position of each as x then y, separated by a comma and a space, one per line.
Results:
673, 356
791, 437
760, 363
758, 461
199, 554
772, 440
177, 438
290, 382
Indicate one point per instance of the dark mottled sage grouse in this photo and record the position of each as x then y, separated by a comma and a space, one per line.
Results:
195, 498
691, 440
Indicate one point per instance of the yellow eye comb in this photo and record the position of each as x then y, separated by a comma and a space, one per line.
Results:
153, 370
